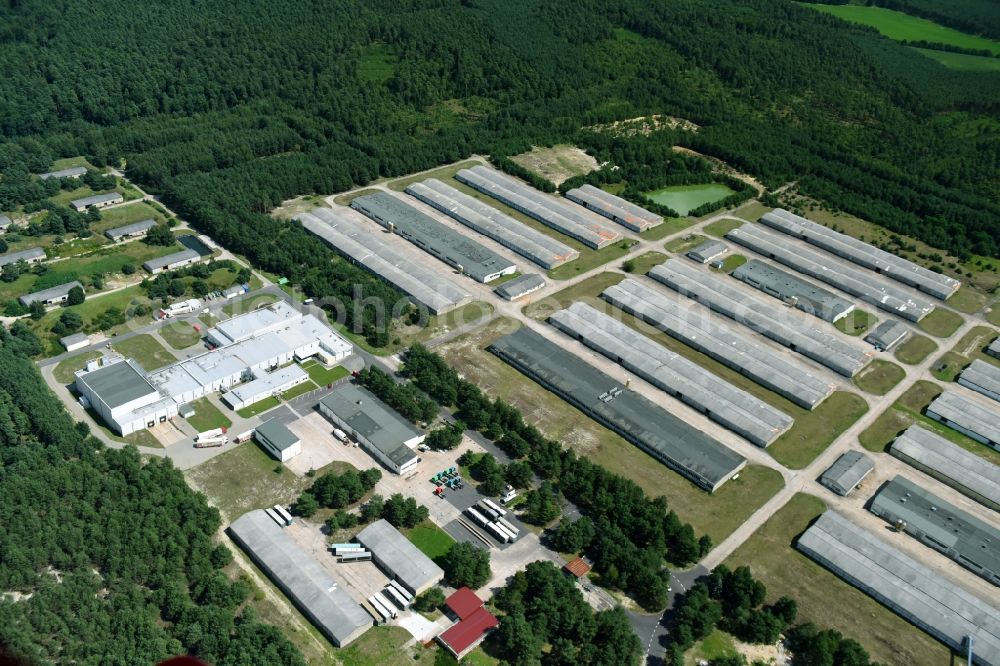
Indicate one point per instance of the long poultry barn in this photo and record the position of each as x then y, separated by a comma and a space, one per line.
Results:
733, 408
770, 321
781, 373
866, 285
614, 208
967, 413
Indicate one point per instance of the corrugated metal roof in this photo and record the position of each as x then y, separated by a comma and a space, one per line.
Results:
521, 286
170, 259
708, 250
887, 334
982, 377
379, 423
976, 415
129, 229
48, 294
14, 257
399, 556
622, 211
107, 197
847, 471
790, 288
118, 383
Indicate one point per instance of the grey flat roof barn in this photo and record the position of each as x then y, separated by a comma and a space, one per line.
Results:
707, 251
620, 210
771, 321
169, 260
869, 287
862, 253
733, 408
57, 293
912, 590
520, 286
32, 254
944, 527
71, 172
301, 577
127, 230
475, 260
74, 339
976, 417
364, 413
530, 243
711, 335
5, 222
97, 200
844, 475
963, 470
887, 335
994, 348
398, 557
561, 216
690, 452
117, 383
982, 377
793, 290
276, 434
375, 253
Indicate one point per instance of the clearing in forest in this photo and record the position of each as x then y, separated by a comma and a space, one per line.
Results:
557, 163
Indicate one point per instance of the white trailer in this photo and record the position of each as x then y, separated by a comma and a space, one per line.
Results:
275, 517
510, 528
509, 533
380, 605
476, 516
392, 593
496, 507
402, 590
281, 511
374, 612
350, 550
488, 512
355, 557
210, 434
243, 436
498, 532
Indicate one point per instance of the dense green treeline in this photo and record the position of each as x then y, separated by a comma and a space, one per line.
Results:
106, 558
977, 17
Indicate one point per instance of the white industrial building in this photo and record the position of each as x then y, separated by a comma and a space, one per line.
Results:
129, 399
265, 386
278, 440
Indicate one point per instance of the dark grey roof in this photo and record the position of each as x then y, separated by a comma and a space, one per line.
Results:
982, 377
276, 434
862, 253
846, 473
969, 541
64, 173
914, 591
170, 259
48, 294
427, 233
708, 250
303, 579
620, 210
887, 334
129, 229
14, 257
792, 289
376, 421
978, 416
393, 551
118, 383
97, 199
994, 348
520, 286
670, 440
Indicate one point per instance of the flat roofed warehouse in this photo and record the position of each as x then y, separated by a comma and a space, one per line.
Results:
793, 290
940, 525
722, 402
32, 256
912, 590
849, 470
551, 212
301, 578
862, 253
982, 377
71, 172
172, 261
398, 557
475, 260
56, 294
887, 335
770, 321
707, 251
711, 335
869, 287
130, 230
690, 452
968, 414
375, 253
620, 210
97, 201
520, 287
963, 470
530, 243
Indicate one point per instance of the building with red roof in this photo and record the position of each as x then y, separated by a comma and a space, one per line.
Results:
463, 636
577, 567
463, 603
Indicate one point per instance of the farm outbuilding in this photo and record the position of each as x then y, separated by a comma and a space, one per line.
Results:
134, 230
615, 208
50, 296
847, 472
982, 377
75, 341
172, 261
887, 335
398, 558
32, 255
793, 290
969, 414
473, 624
708, 251
71, 172
520, 287
97, 201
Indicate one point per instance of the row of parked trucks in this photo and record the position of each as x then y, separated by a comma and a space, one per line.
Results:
280, 515
383, 607
490, 516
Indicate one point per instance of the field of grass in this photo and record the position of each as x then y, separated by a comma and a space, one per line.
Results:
948, 366
814, 431
432, 541
941, 323
591, 287
641, 264
445, 173
751, 211
684, 243
720, 228
557, 163
915, 350
301, 389
88, 311
730, 263
377, 63
716, 645
180, 335
670, 225
591, 260
381, 646
247, 304
717, 514
65, 196
323, 375
879, 377
122, 215
63, 372
69, 162
855, 322
207, 416
145, 350
967, 300
963, 61
259, 407
823, 598
970, 347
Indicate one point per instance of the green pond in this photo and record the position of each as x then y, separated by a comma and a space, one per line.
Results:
683, 198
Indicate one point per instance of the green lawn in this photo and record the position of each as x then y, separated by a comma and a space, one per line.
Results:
384, 646
591, 287
879, 377
915, 350
815, 430
641, 264
825, 599
730, 263
684, 243
180, 335
63, 372
145, 350
90, 310
669, 226
248, 303
301, 389
65, 196
207, 416
948, 366
720, 228
855, 322
323, 375
941, 323
967, 300
591, 260
259, 407
445, 173
963, 61
430, 539
69, 162
716, 645
122, 215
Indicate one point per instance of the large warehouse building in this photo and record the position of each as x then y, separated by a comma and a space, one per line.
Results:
944, 527
862, 253
686, 450
301, 578
134, 230
622, 211
963, 470
475, 260
96, 201
896, 580
376, 426
375, 253
869, 287
52, 295
982, 377
725, 343
769, 320
733, 408
563, 217
172, 261
398, 558
969, 414
530, 243
793, 290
